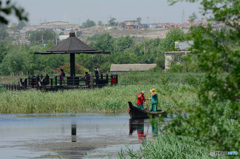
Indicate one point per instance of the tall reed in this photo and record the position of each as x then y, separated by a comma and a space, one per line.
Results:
108, 99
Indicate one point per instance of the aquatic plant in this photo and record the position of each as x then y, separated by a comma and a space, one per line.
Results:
108, 99
167, 146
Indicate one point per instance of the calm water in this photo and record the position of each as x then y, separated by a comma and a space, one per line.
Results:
70, 135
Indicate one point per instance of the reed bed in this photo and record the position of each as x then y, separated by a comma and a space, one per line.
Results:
105, 100
155, 77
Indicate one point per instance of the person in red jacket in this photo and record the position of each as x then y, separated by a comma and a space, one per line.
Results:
140, 100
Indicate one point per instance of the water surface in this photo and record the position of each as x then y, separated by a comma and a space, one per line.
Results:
83, 135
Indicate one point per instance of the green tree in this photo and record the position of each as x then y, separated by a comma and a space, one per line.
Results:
172, 36
112, 22
139, 19
93, 38
4, 48
160, 61
104, 42
215, 120
89, 23
42, 36
16, 60
192, 18
122, 43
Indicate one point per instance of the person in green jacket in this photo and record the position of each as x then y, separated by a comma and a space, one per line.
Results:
154, 100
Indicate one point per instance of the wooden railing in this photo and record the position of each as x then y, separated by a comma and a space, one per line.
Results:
56, 82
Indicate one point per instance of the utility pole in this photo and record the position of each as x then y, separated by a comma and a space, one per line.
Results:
107, 22
183, 19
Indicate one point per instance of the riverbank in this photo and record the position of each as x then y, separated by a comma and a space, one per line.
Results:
105, 100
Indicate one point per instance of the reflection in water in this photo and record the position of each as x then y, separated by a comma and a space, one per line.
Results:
74, 132
138, 124
140, 129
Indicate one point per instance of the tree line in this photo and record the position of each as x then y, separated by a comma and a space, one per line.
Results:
124, 50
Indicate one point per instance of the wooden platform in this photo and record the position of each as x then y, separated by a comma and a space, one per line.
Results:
56, 83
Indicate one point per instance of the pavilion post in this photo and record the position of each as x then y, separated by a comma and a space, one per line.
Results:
72, 64
91, 81
107, 78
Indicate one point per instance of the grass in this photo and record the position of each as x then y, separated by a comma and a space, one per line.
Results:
155, 77
105, 100
169, 147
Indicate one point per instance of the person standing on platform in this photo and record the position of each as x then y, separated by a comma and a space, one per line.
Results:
98, 71
62, 75
96, 74
154, 100
140, 100
87, 78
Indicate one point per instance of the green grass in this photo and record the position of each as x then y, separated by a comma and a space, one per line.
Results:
108, 99
169, 147
155, 77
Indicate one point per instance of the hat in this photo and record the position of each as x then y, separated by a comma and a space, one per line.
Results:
153, 90
142, 92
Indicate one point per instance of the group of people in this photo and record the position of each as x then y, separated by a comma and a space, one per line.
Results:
86, 77
154, 100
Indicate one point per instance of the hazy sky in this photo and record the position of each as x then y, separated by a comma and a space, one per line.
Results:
77, 11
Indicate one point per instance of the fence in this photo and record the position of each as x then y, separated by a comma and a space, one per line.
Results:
67, 82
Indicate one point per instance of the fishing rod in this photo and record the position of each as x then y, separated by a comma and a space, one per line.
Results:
141, 88
139, 84
137, 81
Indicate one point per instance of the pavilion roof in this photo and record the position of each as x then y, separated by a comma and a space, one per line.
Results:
72, 45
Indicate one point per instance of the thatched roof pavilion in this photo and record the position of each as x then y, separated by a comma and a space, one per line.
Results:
72, 46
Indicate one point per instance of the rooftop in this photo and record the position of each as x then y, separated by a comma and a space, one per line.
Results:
131, 67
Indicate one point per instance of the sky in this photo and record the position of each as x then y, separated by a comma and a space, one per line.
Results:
78, 11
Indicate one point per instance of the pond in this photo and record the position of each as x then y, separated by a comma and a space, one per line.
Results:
82, 135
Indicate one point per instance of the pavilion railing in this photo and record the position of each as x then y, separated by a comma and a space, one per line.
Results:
53, 82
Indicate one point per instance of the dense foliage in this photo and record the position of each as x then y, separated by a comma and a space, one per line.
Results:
216, 116
89, 23
42, 37
123, 51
